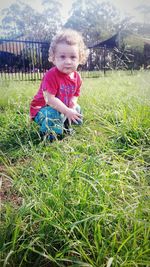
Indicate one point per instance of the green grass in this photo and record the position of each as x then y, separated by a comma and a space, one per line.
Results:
85, 200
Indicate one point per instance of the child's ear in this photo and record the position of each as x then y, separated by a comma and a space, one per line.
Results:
53, 59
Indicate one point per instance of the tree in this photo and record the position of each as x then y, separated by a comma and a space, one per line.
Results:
94, 19
11, 22
52, 12
145, 10
22, 20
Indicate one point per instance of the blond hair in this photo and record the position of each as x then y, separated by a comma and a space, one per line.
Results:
70, 37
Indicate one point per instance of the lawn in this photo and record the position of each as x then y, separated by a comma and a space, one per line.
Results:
83, 201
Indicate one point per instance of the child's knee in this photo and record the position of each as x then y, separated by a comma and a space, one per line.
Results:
49, 120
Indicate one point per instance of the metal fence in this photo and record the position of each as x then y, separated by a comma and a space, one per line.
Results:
28, 60
23, 60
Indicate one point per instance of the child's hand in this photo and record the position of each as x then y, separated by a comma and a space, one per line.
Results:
73, 115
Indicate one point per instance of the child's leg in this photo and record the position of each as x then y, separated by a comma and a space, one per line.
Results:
50, 121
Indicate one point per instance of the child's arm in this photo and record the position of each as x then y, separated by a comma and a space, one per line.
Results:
73, 102
57, 104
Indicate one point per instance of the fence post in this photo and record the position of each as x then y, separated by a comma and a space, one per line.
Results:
104, 60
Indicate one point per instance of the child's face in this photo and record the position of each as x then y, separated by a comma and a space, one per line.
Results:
66, 58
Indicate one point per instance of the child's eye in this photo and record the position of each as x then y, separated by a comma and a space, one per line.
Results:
62, 57
73, 57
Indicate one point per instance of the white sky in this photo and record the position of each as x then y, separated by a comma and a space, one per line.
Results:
125, 6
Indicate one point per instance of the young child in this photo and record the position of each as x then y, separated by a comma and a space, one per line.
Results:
55, 107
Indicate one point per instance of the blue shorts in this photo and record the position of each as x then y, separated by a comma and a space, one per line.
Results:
52, 121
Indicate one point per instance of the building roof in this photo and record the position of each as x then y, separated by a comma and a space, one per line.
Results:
109, 43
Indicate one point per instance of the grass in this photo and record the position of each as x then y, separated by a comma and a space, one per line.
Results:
83, 201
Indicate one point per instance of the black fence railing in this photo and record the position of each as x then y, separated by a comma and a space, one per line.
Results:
28, 60
20, 59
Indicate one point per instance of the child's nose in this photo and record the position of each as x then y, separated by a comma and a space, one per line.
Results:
68, 60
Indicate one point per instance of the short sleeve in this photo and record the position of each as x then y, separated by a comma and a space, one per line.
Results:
79, 83
49, 83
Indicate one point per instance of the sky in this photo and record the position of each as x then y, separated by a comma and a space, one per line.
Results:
125, 6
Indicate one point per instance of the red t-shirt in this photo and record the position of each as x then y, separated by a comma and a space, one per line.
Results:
58, 84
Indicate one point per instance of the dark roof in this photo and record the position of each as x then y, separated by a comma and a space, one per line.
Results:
109, 43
